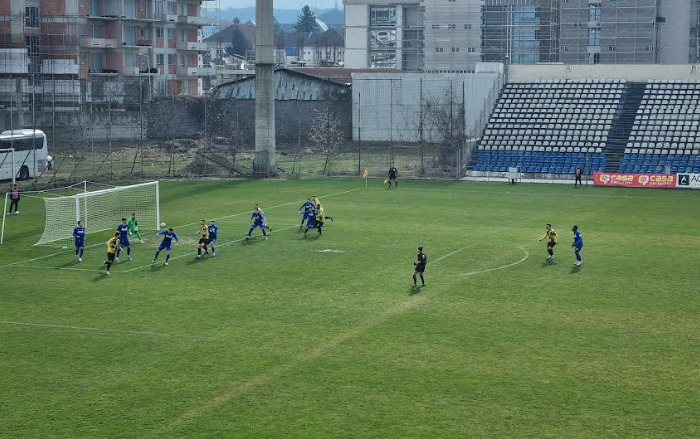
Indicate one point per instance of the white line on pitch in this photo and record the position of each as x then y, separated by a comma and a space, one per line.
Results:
225, 244
277, 371
184, 225
447, 255
57, 268
270, 208
527, 255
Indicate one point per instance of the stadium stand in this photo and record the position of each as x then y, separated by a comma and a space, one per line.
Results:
664, 137
551, 127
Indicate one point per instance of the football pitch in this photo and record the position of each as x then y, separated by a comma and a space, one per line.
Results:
325, 337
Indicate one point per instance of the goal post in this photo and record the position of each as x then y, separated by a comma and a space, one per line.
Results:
100, 210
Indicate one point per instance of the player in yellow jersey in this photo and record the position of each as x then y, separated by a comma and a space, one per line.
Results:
552, 237
203, 233
112, 246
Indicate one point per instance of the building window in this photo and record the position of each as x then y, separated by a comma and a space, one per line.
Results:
451, 26
160, 59
439, 50
594, 13
159, 32
649, 48
611, 48
382, 16
171, 33
160, 7
436, 26
181, 35
31, 17
468, 26
594, 37
32, 42
182, 60
471, 49
97, 31
171, 59
455, 50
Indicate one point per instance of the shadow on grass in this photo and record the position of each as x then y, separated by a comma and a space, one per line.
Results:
575, 269
548, 263
415, 289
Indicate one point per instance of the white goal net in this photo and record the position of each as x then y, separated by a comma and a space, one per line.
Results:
101, 210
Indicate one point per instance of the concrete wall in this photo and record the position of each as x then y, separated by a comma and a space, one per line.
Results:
674, 34
641, 73
69, 126
397, 106
235, 118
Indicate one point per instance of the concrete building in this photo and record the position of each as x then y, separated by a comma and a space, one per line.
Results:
122, 39
451, 36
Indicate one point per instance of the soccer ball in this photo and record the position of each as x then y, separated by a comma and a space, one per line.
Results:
64, 248
162, 225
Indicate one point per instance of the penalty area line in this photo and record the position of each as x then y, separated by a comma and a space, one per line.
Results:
503, 267
57, 268
270, 208
183, 225
192, 253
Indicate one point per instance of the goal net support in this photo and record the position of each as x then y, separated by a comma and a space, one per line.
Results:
101, 210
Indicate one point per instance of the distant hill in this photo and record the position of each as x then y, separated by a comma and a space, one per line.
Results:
333, 17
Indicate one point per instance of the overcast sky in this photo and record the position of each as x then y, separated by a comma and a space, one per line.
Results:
283, 4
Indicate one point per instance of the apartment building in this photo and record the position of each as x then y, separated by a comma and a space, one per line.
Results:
452, 35
120, 39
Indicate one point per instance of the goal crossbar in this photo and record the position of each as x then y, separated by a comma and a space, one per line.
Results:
100, 210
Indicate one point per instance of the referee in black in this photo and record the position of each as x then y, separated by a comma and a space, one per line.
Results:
392, 177
419, 266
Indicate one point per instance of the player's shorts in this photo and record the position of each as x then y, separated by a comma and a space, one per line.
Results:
124, 242
212, 240
79, 243
167, 247
110, 256
420, 268
578, 247
551, 244
319, 224
258, 224
204, 241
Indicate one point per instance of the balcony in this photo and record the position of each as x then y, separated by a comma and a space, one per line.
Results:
172, 18
131, 71
192, 46
195, 71
195, 20
101, 42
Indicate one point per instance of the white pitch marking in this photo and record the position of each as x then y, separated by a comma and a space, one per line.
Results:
277, 371
449, 254
527, 255
184, 225
225, 244
58, 268
269, 208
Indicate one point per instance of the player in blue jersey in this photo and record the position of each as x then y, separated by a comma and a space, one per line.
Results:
577, 245
258, 219
123, 230
309, 212
166, 244
79, 237
304, 210
213, 233
312, 222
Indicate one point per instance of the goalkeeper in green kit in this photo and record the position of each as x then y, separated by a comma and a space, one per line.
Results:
133, 224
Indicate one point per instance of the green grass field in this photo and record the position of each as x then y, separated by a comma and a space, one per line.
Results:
309, 337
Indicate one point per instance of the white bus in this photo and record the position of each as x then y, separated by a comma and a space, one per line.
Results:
31, 154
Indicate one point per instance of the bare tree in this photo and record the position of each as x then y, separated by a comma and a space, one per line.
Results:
327, 133
444, 119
